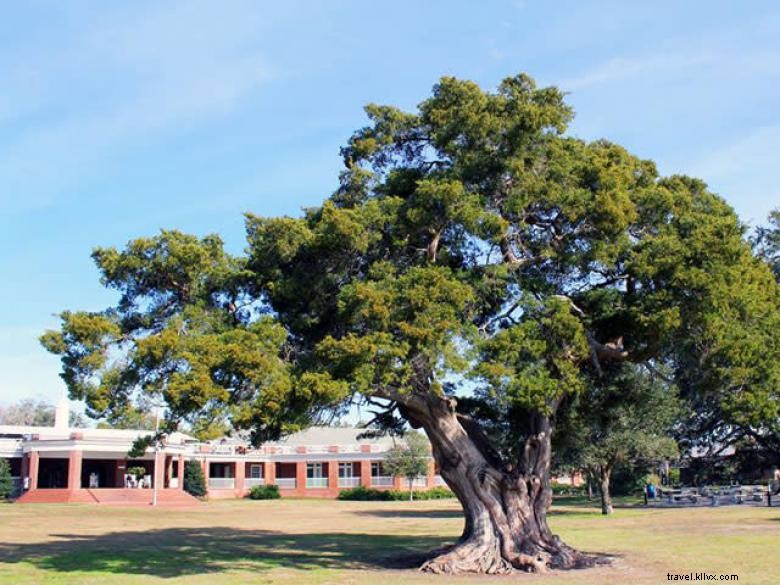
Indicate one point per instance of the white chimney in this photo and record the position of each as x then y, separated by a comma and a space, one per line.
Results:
62, 415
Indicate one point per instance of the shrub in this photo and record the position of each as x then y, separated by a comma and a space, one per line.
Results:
6, 486
436, 493
194, 482
365, 494
265, 492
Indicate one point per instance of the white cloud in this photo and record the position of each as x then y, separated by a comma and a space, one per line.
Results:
622, 69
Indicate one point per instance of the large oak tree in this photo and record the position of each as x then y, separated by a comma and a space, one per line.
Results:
471, 239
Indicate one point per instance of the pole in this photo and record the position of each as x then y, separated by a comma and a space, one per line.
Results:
156, 449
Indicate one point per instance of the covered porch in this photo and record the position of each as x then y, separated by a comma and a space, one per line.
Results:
96, 470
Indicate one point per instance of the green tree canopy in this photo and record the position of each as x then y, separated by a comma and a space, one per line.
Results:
469, 239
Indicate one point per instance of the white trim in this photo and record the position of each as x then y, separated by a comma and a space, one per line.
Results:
382, 480
349, 482
222, 483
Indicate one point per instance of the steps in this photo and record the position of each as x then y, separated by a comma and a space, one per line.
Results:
169, 498
122, 496
174, 498
57, 496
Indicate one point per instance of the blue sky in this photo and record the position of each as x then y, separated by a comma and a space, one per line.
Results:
117, 119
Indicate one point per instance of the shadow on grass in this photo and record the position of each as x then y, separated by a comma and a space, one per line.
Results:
576, 508
457, 514
175, 552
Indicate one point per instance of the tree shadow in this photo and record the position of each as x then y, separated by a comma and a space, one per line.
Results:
175, 552
455, 514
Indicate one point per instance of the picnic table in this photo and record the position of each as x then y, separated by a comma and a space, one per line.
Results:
736, 494
680, 494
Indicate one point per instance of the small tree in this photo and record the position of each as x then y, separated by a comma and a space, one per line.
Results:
623, 419
6, 485
409, 460
194, 482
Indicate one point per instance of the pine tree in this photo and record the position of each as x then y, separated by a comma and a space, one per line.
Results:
194, 482
6, 485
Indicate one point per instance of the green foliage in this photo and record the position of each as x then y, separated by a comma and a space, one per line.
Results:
624, 420
369, 494
265, 492
766, 240
184, 331
561, 489
629, 480
470, 238
6, 485
194, 481
140, 445
130, 417
365, 494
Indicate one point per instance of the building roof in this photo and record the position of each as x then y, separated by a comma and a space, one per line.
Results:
321, 435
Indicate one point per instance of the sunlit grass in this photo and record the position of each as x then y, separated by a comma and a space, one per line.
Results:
321, 541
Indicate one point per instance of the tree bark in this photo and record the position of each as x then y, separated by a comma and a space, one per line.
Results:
605, 474
505, 510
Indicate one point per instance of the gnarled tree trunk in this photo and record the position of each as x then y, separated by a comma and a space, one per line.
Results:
505, 510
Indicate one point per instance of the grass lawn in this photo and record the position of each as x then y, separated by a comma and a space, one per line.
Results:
318, 541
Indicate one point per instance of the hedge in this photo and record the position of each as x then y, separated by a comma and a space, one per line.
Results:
365, 494
265, 492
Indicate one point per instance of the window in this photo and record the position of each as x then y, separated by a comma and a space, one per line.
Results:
256, 471
314, 470
376, 469
346, 470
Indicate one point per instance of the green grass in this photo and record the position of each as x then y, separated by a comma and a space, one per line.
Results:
320, 542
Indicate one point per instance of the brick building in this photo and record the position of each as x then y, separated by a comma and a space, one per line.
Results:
62, 464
